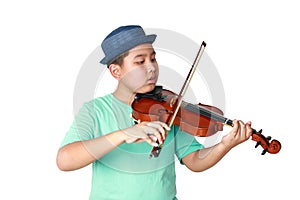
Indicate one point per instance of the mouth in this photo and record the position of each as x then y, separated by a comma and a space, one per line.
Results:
152, 80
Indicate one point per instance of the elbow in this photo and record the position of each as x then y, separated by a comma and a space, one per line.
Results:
72, 157
63, 160
196, 168
195, 163
199, 165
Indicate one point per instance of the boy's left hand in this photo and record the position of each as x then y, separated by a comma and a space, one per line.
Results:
240, 133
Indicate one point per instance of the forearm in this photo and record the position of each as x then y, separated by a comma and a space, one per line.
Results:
205, 158
208, 157
80, 154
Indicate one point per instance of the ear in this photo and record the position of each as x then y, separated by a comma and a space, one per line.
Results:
115, 71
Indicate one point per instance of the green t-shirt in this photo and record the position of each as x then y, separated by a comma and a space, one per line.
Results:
127, 172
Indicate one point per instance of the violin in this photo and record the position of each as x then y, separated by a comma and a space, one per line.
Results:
199, 120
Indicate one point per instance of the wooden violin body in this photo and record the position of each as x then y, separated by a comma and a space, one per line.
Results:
160, 107
198, 120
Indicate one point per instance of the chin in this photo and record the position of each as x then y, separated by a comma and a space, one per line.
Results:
146, 88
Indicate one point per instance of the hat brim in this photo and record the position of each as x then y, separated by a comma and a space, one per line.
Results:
126, 47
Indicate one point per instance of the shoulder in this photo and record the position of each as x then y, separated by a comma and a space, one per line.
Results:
98, 102
94, 106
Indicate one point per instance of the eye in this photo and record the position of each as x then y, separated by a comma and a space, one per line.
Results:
140, 62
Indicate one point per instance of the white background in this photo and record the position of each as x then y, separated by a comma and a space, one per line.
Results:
43, 44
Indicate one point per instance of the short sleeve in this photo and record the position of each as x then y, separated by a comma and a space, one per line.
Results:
82, 127
185, 144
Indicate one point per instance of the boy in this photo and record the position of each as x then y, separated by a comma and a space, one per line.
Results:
104, 134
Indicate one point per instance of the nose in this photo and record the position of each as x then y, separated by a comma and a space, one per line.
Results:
151, 68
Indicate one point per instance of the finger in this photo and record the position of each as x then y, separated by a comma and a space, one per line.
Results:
151, 142
159, 137
151, 131
157, 126
165, 126
162, 124
153, 138
236, 127
160, 127
242, 129
248, 130
138, 141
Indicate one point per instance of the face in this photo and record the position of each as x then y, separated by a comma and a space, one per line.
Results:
139, 71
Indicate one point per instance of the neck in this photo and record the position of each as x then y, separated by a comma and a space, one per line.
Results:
124, 94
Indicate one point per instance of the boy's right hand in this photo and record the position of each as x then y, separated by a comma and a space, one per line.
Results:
150, 132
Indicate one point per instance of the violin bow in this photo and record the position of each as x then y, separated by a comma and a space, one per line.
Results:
156, 150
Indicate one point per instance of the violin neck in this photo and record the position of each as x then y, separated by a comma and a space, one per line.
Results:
212, 115
198, 109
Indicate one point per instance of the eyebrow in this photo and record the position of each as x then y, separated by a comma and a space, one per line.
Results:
143, 55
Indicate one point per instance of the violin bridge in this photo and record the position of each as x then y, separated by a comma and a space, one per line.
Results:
173, 101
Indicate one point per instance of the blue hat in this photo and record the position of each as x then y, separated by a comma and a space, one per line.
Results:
122, 40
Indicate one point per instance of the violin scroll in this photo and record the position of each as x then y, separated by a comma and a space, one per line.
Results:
272, 147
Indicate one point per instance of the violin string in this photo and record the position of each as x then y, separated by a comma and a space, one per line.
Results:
207, 113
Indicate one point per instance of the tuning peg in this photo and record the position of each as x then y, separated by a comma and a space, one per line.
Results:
257, 144
269, 138
260, 131
264, 152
